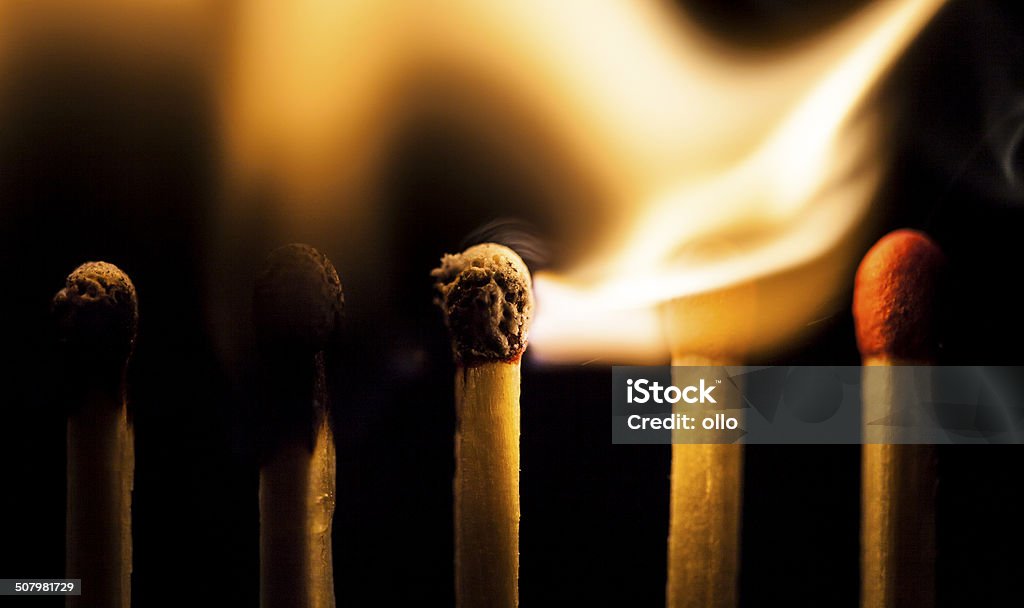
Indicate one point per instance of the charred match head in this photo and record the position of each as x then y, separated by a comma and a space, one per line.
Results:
893, 306
298, 300
97, 315
487, 299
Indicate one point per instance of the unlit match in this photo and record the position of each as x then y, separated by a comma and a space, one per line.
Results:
486, 296
297, 307
96, 316
893, 307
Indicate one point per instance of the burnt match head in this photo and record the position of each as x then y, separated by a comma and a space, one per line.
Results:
893, 297
487, 299
298, 300
97, 314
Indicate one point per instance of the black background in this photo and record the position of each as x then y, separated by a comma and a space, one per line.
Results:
118, 166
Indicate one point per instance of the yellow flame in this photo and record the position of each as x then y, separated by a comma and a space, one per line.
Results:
306, 95
681, 165
780, 213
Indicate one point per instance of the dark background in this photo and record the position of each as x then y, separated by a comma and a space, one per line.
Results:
102, 165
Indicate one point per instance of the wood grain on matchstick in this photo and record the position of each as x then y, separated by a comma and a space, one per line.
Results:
297, 306
894, 314
485, 295
96, 316
707, 330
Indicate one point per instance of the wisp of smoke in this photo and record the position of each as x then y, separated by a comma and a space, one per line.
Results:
516, 234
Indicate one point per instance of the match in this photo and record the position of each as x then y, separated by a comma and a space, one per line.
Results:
706, 330
297, 307
893, 312
486, 296
96, 317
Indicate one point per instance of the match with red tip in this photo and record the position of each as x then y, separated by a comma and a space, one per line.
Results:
893, 307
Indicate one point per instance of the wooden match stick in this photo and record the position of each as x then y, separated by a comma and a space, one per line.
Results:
485, 294
893, 312
96, 315
706, 330
297, 306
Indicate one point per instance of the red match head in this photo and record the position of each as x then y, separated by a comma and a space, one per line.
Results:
894, 298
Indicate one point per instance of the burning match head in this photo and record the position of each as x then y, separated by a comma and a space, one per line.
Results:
97, 314
487, 299
297, 301
893, 298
